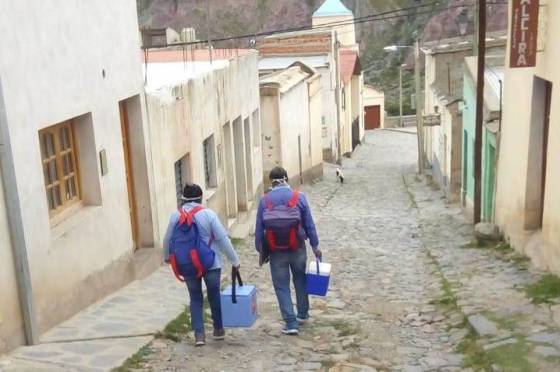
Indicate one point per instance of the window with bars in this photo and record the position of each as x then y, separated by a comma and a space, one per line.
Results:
209, 149
60, 169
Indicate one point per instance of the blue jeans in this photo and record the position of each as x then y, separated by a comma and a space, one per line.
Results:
281, 263
212, 280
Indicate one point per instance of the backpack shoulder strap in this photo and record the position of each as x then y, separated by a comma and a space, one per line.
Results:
192, 213
294, 200
183, 216
267, 202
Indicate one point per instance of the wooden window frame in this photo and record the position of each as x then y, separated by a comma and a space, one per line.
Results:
58, 158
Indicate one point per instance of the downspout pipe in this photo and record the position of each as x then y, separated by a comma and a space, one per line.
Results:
17, 233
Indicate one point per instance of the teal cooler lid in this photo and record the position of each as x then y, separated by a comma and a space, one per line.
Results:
245, 290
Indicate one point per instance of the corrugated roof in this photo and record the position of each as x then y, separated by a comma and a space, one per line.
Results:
332, 8
349, 65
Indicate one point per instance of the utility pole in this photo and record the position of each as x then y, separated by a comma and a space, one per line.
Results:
337, 99
479, 110
400, 96
419, 123
208, 29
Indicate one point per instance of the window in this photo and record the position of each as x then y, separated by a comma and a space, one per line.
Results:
209, 162
343, 99
182, 175
58, 152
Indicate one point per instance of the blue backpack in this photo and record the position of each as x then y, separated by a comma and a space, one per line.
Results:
189, 255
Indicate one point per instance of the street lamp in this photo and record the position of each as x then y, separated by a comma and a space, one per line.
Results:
419, 123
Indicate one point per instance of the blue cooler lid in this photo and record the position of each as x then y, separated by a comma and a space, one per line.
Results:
245, 290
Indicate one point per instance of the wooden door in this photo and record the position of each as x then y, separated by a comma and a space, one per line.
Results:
546, 124
373, 117
125, 126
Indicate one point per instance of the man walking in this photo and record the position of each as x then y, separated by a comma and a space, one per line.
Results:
283, 224
213, 233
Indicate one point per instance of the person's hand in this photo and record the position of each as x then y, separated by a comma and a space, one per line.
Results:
318, 253
237, 267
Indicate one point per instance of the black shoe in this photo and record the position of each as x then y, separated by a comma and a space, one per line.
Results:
290, 331
219, 334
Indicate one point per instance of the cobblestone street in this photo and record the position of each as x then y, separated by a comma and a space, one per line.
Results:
378, 313
393, 244
409, 290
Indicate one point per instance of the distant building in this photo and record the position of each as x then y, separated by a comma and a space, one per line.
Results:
205, 123
527, 199
374, 108
493, 82
445, 100
71, 108
291, 123
333, 51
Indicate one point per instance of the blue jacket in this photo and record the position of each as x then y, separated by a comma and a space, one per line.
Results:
281, 195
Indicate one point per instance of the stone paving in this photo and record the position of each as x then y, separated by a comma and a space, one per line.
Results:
377, 315
397, 252
489, 284
104, 335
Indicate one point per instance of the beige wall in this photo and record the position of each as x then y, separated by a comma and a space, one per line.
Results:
51, 72
11, 323
346, 33
515, 181
292, 113
181, 117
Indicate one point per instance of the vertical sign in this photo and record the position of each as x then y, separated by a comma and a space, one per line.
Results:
524, 30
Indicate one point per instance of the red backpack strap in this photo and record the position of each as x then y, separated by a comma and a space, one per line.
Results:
294, 200
197, 264
192, 213
183, 216
268, 203
173, 263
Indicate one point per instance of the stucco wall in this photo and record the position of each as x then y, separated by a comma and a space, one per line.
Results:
513, 183
294, 122
11, 323
68, 61
346, 33
183, 116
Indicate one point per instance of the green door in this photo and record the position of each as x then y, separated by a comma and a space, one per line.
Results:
489, 182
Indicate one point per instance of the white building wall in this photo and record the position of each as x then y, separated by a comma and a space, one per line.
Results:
183, 116
11, 323
60, 62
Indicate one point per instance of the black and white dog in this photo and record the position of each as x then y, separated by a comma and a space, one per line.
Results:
339, 175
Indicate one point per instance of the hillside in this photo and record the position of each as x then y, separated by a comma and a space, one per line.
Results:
241, 17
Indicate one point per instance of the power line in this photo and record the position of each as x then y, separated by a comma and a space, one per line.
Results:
369, 18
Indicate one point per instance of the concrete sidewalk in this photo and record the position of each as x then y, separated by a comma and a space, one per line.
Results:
105, 334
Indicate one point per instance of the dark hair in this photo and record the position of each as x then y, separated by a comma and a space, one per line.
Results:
192, 193
277, 174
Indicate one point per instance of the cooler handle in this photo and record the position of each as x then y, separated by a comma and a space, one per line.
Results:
319, 259
235, 277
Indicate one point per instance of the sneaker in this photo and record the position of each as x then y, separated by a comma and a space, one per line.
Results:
290, 331
199, 339
219, 334
302, 321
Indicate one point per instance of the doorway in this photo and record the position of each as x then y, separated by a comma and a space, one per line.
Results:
248, 157
373, 117
240, 171
136, 173
489, 182
538, 150
229, 165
